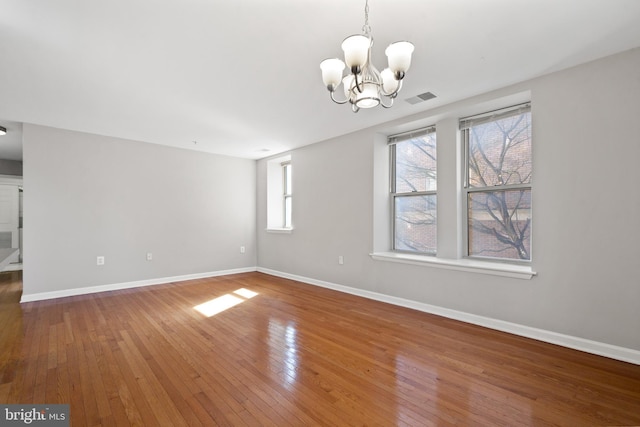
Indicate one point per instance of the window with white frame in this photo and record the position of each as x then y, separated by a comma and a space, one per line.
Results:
286, 196
497, 184
413, 191
279, 194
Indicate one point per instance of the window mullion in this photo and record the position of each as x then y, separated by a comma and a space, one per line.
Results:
415, 193
499, 188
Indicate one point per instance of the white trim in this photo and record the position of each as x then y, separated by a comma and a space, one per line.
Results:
129, 285
469, 265
16, 266
594, 347
11, 180
279, 230
7, 256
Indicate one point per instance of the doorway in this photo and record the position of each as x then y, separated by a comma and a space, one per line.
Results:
11, 223
11, 192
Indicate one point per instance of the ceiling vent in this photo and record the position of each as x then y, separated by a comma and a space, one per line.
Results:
420, 98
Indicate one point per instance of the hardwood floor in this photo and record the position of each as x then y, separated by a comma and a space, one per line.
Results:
291, 355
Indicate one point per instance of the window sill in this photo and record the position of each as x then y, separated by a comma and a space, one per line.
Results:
279, 230
474, 266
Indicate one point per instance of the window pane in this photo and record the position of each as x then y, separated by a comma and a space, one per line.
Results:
500, 152
416, 164
415, 223
287, 212
500, 224
287, 179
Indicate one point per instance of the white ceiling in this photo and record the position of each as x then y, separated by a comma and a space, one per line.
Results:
242, 76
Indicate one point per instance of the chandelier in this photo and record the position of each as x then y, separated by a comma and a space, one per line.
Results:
364, 86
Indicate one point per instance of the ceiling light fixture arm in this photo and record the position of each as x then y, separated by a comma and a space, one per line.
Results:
331, 92
385, 105
394, 93
355, 75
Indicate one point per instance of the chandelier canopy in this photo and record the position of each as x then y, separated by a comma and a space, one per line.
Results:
364, 86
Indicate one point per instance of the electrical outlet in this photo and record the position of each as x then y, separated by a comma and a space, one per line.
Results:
242, 250
340, 259
149, 256
100, 260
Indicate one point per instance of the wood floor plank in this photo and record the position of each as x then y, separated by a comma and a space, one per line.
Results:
291, 355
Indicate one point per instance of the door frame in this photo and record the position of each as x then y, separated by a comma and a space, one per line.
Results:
17, 181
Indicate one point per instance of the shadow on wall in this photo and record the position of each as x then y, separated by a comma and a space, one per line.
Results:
10, 167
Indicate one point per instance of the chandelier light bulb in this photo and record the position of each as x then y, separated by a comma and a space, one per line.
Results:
369, 97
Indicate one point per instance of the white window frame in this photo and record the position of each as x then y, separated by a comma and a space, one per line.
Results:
287, 190
276, 195
393, 140
450, 239
467, 190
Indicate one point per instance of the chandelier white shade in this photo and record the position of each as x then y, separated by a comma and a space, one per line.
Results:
356, 51
399, 55
332, 72
364, 86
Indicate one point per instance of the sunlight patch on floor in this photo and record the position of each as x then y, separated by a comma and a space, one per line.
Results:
246, 293
224, 302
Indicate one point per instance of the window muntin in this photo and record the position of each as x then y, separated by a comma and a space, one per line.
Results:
413, 190
498, 184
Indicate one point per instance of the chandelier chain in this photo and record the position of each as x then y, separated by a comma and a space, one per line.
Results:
366, 29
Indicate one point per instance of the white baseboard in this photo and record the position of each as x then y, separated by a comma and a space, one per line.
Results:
13, 267
128, 285
576, 343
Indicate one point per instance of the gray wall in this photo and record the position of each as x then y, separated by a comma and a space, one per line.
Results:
585, 205
88, 195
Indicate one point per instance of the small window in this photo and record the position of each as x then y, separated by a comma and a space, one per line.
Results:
413, 191
286, 176
279, 194
497, 190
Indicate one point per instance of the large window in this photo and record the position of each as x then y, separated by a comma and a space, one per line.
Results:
413, 190
497, 184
